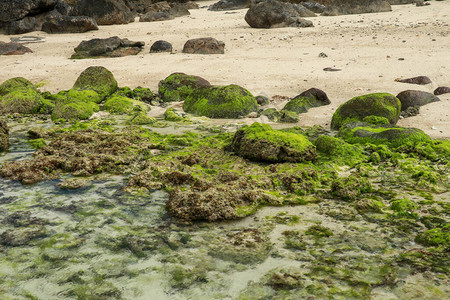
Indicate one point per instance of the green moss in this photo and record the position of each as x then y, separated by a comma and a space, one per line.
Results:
376, 120
74, 111
435, 237
339, 151
24, 100
174, 116
319, 231
98, 79
349, 188
141, 119
15, 83
178, 86
139, 93
272, 113
356, 109
287, 116
293, 240
405, 208
119, 105
229, 101
37, 143
77, 96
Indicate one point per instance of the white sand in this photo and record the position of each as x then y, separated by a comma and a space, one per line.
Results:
283, 61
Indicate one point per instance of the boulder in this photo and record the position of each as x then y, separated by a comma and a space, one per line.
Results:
314, 6
310, 98
347, 7
259, 142
411, 98
204, 46
31, 23
229, 5
228, 102
12, 10
4, 135
69, 24
105, 12
98, 79
13, 49
162, 11
390, 135
273, 13
379, 105
161, 46
110, 47
177, 86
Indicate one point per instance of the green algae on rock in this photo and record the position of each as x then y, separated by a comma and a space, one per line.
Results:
356, 109
141, 119
4, 135
72, 111
259, 142
98, 79
435, 237
175, 116
118, 105
15, 83
177, 86
306, 100
391, 135
139, 93
231, 101
339, 151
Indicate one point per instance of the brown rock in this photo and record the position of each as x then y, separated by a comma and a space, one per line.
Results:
204, 46
13, 49
422, 80
4, 136
411, 98
442, 90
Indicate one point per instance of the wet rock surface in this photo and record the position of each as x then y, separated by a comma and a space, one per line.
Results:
110, 47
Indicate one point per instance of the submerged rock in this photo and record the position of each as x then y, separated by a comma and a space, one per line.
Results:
273, 13
259, 142
177, 86
204, 46
306, 100
356, 109
231, 101
109, 47
411, 98
98, 79
4, 135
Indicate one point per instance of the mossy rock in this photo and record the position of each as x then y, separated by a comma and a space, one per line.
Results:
141, 119
4, 135
77, 96
349, 188
98, 79
339, 151
259, 142
25, 101
71, 111
272, 113
177, 86
287, 116
435, 237
356, 109
306, 100
15, 83
173, 115
390, 135
119, 105
231, 101
139, 93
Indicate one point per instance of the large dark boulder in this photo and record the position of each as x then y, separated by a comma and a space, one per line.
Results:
69, 24
272, 13
11, 10
412, 98
347, 7
4, 135
105, 12
229, 5
110, 47
161, 46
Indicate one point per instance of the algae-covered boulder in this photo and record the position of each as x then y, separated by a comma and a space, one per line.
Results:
4, 135
141, 119
18, 95
77, 96
272, 114
391, 135
306, 100
70, 111
118, 105
177, 86
356, 109
259, 142
98, 79
338, 150
231, 101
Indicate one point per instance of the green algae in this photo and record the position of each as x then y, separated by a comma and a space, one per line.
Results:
338, 151
404, 208
37, 143
72, 111
178, 86
141, 119
118, 105
435, 237
98, 79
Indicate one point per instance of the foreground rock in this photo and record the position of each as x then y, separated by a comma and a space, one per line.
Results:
259, 142
346, 7
272, 13
4, 135
306, 100
110, 47
229, 5
69, 24
13, 49
379, 105
411, 98
228, 102
177, 86
98, 79
204, 46
421, 80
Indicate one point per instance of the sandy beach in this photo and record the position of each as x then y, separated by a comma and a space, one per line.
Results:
371, 49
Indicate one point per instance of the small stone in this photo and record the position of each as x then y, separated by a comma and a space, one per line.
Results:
161, 46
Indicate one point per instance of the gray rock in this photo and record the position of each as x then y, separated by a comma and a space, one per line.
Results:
110, 47
69, 24
347, 7
421, 80
412, 98
105, 12
161, 46
229, 5
12, 10
314, 6
162, 11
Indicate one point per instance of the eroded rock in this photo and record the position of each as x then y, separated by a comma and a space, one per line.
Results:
110, 47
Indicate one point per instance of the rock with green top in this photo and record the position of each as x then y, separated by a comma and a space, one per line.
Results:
272, 114
173, 115
98, 79
141, 119
18, 95
356, 109
306, 100
231, 101
139, 93
287, 116
259, 142
77, 96
119, 105
390, 135
72, 111
177, 86
338, 150
4, 136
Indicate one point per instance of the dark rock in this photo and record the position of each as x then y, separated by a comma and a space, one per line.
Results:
331, 69
204, 46
27, 24
105, 12
161, 46
162, 11
259, 142
4, 135
441, 90
272, 13
422, 80
346, 7
272, 114
12, 10
13, 49
412, 98
314, 6
287, 116
400, 2
229, 5
177, 86
262, 100
110, 47
310, 98
69, 24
